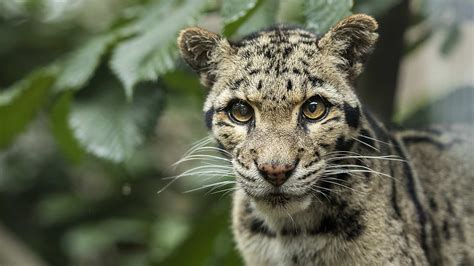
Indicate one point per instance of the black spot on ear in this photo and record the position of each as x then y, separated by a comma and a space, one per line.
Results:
208, 117
352, 115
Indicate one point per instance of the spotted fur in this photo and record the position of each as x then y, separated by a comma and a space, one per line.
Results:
357, 193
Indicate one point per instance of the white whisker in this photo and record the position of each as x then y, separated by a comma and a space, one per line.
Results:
203, 157
382, 157
377, 140
344, 186
198, 144
366, 144
316, 188
213, 185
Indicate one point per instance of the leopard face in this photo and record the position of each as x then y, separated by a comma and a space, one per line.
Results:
281, 102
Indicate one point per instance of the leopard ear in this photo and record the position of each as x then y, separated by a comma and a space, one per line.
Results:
202, 50
350, 41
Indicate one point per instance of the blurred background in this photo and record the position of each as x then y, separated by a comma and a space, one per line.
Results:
95, 107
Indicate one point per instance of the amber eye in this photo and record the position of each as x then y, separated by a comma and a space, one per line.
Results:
240, 112
314, 108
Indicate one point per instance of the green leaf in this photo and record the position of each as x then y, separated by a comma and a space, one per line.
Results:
111, 127
61, 130
152, 53
20, 104
291, 11
79, 67
262, 16
322, 14
233, 10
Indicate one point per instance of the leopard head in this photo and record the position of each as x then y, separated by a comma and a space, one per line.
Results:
280, 102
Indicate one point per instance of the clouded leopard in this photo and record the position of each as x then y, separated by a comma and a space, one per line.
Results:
320, 180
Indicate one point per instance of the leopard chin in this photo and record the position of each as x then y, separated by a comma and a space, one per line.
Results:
282, 205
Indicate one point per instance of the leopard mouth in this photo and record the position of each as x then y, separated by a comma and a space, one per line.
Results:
274, 196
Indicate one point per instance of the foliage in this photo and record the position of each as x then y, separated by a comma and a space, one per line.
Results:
79, 132
21, 103
322, 14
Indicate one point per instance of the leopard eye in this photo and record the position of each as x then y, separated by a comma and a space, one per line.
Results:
240, 112
314, 108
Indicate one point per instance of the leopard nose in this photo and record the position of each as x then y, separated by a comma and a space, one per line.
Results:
276, 174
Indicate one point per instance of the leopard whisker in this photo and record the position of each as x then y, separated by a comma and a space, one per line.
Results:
198, 144
212, 148
203, 157
377, 140
213, 185
203, 167
357, 167
344, 186
315, 188
366, 144
349, 171
225, 190
382, 157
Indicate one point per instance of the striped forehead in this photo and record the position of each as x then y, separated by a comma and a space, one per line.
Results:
277, 44
278, 35
274, 66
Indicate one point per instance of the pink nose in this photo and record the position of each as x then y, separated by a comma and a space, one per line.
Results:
276, 174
